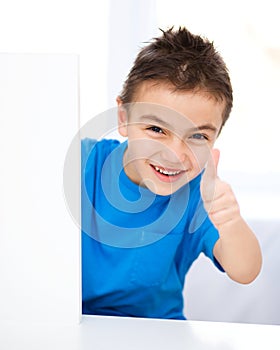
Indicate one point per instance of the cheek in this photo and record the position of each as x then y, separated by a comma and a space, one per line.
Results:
199, 156
142, 148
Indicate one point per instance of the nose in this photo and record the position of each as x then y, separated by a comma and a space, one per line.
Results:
175, 152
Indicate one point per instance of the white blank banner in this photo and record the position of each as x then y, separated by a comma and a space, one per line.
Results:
39, 243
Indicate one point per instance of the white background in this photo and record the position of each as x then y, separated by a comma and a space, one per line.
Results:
107, 34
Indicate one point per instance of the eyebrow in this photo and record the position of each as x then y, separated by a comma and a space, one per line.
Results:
156, 119
204, 127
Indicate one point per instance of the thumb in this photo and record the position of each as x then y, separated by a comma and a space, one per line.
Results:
210, 175
211, 168
216, 158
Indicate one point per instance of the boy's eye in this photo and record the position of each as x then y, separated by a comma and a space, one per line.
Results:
156, 129
199, 136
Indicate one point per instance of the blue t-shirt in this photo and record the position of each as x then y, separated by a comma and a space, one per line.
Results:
136, 246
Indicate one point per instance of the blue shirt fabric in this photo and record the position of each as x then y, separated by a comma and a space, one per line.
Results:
136, 246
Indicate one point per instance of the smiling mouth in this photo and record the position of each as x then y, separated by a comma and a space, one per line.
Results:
167, 172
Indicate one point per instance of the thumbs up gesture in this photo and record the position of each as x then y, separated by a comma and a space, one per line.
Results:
237, 249
217, 196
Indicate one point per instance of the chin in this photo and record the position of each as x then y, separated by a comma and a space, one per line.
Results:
166, 189
161, 191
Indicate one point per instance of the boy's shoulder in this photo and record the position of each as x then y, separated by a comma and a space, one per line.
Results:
104, 146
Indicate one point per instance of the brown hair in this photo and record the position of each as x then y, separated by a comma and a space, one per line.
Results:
187, 61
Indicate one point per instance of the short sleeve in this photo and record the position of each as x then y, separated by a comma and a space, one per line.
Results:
210, 237
201, 226
87, 145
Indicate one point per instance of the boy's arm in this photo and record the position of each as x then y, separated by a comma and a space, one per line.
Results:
237, 249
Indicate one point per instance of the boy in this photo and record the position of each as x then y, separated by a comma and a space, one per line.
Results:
149, 208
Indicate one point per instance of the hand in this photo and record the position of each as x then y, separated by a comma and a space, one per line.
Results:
217, 196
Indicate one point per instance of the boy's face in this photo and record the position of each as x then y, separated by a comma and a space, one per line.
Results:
170, 135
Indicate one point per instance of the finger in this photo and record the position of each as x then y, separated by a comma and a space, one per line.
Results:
225, 215
219, 204
224, 198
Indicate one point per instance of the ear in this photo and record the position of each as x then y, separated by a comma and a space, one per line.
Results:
122, 118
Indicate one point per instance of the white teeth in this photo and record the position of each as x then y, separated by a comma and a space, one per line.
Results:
165, 172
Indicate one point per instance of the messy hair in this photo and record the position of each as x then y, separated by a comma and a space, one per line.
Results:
186, 61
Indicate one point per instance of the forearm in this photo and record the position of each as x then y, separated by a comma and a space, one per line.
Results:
238, 251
